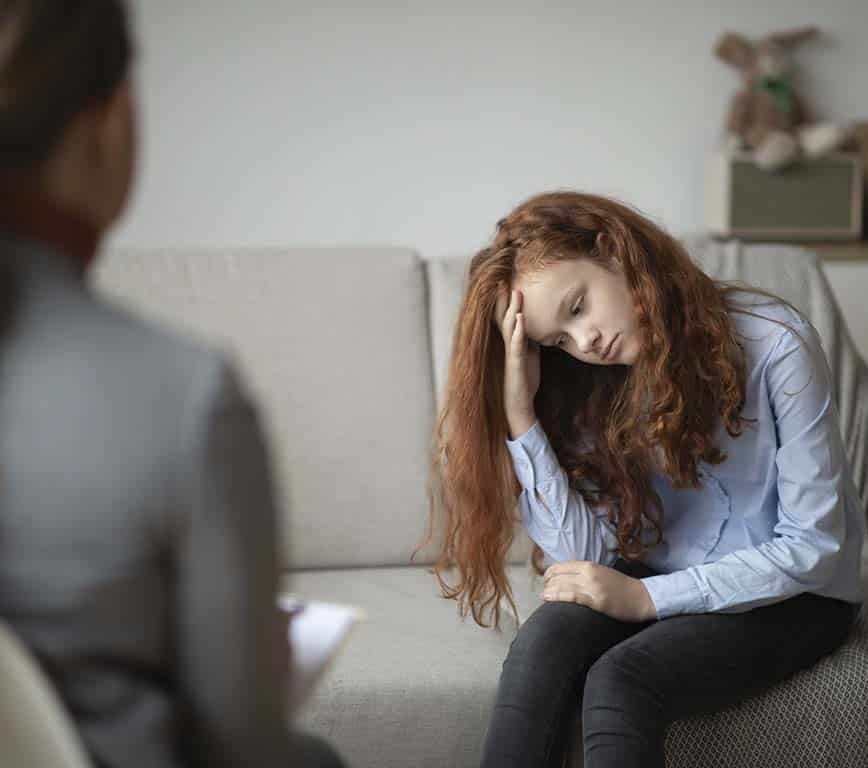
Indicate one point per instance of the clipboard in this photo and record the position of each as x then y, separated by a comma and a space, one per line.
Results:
317, 632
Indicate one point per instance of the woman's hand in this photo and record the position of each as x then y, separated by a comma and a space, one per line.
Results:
522, 366
599, 587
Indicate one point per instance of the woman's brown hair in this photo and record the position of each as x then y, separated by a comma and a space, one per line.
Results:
57, 58
658, 414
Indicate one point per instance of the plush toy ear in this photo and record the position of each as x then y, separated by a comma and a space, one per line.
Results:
792, 37
734, 49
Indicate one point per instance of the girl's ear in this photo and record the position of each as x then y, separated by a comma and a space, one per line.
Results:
604, 245
735, 50
792, 37
601, 245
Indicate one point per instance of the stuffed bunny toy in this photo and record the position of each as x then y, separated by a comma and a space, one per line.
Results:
767, 116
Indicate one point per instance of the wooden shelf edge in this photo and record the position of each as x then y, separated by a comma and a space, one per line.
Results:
853, 251
827, 250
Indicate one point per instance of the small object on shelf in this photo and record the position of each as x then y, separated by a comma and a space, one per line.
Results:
843, 251
816, 199
767, 118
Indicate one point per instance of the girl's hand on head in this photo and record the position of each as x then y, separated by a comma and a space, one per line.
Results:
599, 587
522, 364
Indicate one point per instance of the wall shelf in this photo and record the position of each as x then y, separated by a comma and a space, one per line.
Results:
856, 251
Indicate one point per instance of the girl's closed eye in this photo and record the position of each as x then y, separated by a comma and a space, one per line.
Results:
577, 307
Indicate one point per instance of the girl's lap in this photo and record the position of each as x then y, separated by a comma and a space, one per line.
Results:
701, 663
697, 662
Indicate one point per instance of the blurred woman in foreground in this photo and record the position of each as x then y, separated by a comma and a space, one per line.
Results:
137, 524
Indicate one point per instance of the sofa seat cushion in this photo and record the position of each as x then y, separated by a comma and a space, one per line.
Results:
414, 684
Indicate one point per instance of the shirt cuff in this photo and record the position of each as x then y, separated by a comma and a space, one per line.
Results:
533, 458
675, 593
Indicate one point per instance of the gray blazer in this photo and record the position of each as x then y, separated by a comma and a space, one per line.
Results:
137, 529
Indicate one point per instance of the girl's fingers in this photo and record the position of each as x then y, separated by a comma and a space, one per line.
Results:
500, 308
573, 570
518, 336
509, 316
510, 323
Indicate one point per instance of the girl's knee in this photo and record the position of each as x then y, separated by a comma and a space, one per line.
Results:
553, 631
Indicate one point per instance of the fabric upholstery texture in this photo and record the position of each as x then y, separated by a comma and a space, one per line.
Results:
414, 684
334, 344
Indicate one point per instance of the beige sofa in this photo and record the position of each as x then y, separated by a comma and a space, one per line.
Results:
346, 351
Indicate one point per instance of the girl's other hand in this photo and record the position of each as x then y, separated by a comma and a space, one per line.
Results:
599, 587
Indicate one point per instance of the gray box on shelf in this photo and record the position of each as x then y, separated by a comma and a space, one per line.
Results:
815, 199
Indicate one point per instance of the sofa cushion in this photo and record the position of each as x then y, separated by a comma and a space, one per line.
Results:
414, 684
334, 343
447, 282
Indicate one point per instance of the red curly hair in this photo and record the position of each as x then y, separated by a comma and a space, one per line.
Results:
658, 414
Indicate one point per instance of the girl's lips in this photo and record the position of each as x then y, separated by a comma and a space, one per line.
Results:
611, 348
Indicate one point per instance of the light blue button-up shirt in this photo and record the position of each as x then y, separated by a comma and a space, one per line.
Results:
779, 517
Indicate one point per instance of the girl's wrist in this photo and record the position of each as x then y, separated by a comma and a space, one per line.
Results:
520, 423
646, 608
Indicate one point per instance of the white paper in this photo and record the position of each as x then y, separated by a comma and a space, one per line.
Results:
316, 634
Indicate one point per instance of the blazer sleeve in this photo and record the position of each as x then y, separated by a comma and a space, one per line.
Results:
231, 647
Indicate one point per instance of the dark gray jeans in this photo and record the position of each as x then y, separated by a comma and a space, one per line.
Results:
629, 680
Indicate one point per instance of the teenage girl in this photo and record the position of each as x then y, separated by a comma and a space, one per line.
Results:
672, 445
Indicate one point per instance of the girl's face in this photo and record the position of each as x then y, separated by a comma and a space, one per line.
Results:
581, 308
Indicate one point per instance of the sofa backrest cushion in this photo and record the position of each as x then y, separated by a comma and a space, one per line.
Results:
333, 343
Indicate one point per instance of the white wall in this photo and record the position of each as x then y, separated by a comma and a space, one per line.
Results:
421, 123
